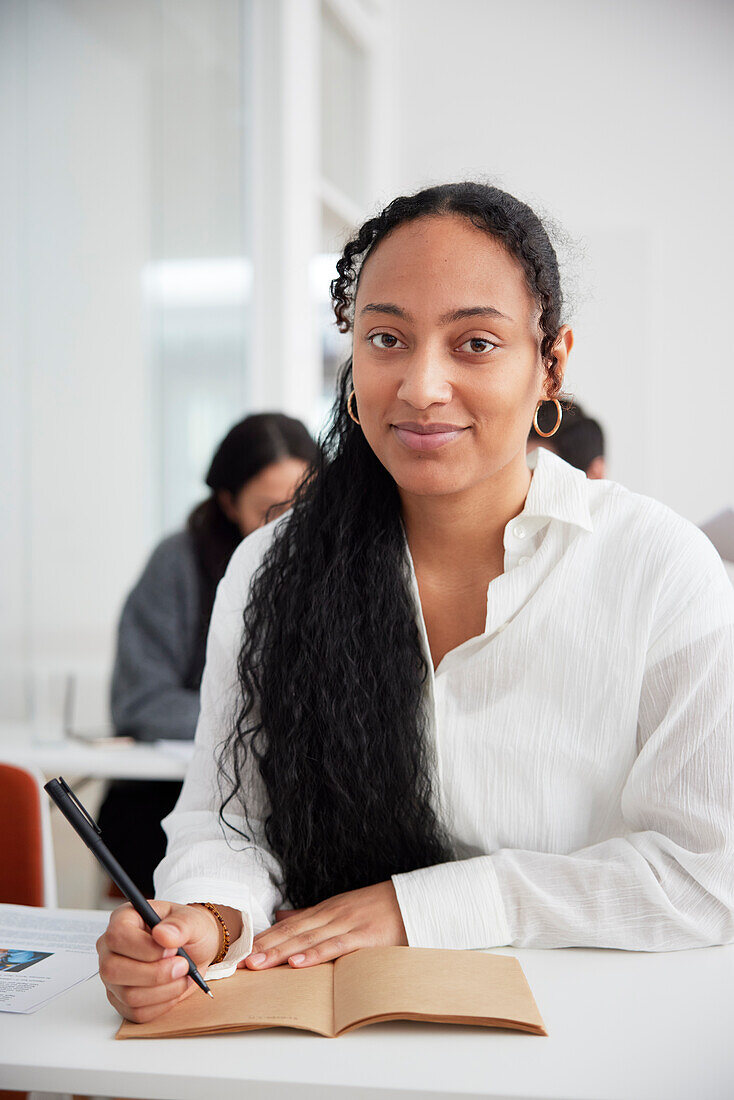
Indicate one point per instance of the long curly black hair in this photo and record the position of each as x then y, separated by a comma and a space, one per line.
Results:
331, 668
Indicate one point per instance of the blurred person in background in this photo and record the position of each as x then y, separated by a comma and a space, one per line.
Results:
579, 441
162, 633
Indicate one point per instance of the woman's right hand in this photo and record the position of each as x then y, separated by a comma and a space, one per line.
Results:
140, 968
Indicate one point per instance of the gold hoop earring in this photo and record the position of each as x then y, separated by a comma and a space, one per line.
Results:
349, 407
553, 430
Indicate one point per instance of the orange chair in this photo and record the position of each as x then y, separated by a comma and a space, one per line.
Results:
26, 856
27, 874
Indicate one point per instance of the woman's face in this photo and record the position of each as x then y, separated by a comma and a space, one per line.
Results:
265, 496
446, 364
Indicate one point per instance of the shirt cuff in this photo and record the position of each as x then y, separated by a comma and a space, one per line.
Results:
238, 950
453, 905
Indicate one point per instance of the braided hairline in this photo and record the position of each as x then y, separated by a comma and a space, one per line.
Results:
550, 311
401, 210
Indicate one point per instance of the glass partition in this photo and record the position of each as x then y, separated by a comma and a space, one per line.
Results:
197, 285
124, 306
343, 108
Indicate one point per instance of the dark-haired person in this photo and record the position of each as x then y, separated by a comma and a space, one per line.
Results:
162, 632
450, 701
579, 440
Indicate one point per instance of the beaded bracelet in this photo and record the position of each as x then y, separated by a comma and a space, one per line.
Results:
225, 931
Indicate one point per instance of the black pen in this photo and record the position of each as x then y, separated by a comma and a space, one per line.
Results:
88, 829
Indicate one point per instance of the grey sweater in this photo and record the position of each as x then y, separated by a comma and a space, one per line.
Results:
160, 648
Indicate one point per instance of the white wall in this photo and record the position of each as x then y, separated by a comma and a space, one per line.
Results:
615, 117
103, 169
73, 399
13, 456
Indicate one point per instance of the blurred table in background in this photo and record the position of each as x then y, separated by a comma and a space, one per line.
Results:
102, 758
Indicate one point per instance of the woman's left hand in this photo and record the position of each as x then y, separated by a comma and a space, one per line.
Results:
369, 917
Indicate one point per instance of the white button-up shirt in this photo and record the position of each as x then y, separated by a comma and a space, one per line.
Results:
583, 743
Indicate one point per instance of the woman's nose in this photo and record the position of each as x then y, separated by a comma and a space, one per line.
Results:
425, 382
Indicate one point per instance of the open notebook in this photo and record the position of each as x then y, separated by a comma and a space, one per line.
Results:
366, 987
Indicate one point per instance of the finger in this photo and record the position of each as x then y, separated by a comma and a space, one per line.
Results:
280, 952
126, 915
140, 996
324, 952
289, 928
124, 938
148, 1013
182, 926
284, 914
280, 935
127, 933
121, 970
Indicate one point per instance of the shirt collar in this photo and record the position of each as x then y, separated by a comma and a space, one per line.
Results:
557, 491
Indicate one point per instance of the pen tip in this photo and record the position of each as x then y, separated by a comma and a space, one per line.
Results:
210, 994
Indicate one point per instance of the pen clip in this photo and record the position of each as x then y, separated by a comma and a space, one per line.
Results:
68, 791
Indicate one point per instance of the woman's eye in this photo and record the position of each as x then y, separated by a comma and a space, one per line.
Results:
384, 340
477, 345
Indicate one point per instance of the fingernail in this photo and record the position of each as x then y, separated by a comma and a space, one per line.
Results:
169, 952
179, 968
297, 959
256, 959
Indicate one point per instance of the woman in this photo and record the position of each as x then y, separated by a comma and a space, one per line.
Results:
163, 628
474, 705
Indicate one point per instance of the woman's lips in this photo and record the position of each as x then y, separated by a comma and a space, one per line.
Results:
427, 437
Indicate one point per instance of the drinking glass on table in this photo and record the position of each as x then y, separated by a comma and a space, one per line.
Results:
51, 704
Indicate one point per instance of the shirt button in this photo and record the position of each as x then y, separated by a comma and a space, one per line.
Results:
523, 560
519, 531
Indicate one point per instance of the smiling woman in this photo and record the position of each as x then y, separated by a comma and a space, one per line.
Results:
475, 703
480, 360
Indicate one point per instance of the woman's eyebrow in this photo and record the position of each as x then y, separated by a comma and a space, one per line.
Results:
473, 311
387, 307
447, 318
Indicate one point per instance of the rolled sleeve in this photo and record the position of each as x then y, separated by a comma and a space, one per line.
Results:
455, 905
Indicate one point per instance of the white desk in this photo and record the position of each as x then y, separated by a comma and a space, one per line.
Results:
622, 1026
108, 761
